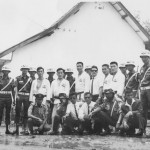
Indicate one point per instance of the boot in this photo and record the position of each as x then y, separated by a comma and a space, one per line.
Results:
17, 130
140, 133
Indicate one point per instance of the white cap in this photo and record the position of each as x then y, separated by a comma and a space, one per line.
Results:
24, 67
145, 53
69, 70
88, 67
5, 68
32, 69
130, 63
50, 70
122, 65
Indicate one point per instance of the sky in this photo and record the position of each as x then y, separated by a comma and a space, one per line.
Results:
21, 19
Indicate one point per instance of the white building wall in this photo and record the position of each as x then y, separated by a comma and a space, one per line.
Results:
94, 36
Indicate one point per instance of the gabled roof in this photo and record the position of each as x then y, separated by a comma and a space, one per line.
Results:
118, 6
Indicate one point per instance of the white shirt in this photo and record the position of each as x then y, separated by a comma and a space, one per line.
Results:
59, 86
96, 85
71, 110
118, 82
84, 109
107, 82
82, 83
43, 89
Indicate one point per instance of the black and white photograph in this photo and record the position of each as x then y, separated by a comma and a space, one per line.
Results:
74, 75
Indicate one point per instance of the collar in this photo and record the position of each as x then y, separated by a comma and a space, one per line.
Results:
127, 104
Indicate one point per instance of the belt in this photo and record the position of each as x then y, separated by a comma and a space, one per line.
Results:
22, 93
5, 92
145, 88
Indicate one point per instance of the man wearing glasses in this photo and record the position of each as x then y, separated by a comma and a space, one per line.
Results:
95, 84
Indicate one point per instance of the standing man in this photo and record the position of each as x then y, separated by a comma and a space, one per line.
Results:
58, 86
95, 83
51, 73
32, 72
88, 70
123, 69
106, 83
82, 82
6, 96
118, 79
23, 86
145, 82
131, 80
71, 79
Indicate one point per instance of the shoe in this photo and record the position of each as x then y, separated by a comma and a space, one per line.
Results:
107, 132
121, 132
52, 133
25, 132
140, 133
8, 132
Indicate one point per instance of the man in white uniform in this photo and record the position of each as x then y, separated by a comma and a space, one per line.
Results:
118, 80
82, 81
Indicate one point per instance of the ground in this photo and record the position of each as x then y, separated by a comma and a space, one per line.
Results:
47, 142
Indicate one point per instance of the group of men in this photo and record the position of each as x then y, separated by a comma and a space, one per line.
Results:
85, 104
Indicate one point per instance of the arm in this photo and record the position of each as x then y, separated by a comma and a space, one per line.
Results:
67, 89
48, 90
139, 109
87, 83
31, 92
121, 83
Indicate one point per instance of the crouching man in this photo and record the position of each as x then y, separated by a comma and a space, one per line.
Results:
60, 112
107, 113
85, 110
132, 116
37, 115
71, 120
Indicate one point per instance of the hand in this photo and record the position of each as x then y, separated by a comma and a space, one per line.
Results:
40, 128
117, 125
90, 115
40, 120
129, 114
17, 97
48, 103
126, 125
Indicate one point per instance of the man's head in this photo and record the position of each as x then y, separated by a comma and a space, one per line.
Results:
123, 68
88, 70
24, 69
60, 73
79, 67
63, 98
73, 97
40, 72
39, 99
5, 71
88, 97
109, 93
32, 72
145, 56
114, 67
50, 72
94, 70
129, 95
105, 69
130, 66
69, 72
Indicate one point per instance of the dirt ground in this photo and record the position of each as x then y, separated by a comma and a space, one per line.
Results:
88, 142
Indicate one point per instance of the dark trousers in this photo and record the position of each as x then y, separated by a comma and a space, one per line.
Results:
69, 124
145, 98
36, 123
57, 122
19, 103
5, 103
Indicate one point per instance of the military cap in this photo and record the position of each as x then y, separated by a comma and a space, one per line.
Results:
24, 67
69, 70
87, 67
32, 69
5, 68
108, 91
39, 96
145, 53
130, 63
122, 66
50, 70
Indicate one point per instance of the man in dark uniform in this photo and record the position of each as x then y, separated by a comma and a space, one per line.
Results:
144, 78
37, 115
108, 113
132, 114
32, 73
23, 86
60, 112
71, 79
6, 96
131, 80
50, 73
